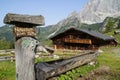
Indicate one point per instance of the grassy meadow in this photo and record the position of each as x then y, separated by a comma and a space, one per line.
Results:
7, 70
109, 57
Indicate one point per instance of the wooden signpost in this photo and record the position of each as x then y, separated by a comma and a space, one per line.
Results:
25, 43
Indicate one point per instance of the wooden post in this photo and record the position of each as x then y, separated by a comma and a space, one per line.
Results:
25, 44
25, 53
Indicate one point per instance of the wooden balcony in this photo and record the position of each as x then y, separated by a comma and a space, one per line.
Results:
83, 41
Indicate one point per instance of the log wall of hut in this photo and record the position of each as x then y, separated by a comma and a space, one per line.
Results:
75, 40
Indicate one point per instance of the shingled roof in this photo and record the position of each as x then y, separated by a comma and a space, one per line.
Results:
87, 31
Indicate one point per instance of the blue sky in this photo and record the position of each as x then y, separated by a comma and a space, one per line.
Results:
52, 10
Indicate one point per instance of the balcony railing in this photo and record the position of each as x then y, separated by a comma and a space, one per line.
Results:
83, 41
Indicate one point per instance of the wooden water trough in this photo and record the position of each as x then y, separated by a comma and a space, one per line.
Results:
46, 70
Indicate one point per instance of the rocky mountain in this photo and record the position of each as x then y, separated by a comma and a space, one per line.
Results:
71, 20
95, 11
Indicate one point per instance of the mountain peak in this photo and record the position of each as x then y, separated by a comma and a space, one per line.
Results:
73, 14
95, 11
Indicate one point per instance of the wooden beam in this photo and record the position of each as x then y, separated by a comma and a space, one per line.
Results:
47, 70
16, 19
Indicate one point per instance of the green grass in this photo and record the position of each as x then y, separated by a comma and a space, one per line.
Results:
117, 36
111, 58
7, 70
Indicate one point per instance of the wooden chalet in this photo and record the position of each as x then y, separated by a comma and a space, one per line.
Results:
80, 39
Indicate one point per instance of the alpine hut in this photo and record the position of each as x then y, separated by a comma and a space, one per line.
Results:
80, 39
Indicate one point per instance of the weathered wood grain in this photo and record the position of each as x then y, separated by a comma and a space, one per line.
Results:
24, 31
11, 18
25, 53
46, 70
25, 49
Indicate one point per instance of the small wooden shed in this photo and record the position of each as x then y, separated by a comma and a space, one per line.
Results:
80, 39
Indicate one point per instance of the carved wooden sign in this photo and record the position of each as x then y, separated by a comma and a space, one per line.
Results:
24, 31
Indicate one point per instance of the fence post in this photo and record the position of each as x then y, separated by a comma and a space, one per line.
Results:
25, 43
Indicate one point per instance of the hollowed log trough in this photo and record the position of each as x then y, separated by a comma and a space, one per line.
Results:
46, 70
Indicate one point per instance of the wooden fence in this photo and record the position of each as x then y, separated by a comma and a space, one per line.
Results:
46, 70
